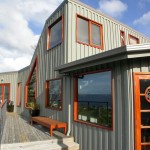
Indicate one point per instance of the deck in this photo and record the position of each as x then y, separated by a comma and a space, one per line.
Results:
18, 131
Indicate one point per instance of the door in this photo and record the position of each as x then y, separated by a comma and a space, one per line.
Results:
4, 92
142, 110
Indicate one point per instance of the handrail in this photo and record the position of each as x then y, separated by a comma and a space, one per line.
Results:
2, 117
2, 104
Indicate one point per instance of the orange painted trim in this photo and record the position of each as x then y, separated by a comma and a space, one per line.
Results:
75, 106
47, 93
137, 108
133, 37
19, 93
2, 85
90, 22
35, 65
122, 33
49, 33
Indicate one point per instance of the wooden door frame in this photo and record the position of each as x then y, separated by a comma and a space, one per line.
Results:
137, 116
4, 84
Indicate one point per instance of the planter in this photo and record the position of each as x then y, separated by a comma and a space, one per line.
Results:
10, 108
35, 112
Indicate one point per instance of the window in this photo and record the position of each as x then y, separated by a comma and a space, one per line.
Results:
89, 32
122, 38
4, 92
93, 99
83, 35
19, 94
55, 33
133, 40
54, 94
31, 85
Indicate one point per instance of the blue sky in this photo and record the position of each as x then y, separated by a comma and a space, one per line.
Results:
22, 21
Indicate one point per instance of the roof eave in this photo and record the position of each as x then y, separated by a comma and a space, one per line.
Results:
121, 53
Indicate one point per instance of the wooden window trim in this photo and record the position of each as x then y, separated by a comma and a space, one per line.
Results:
122, 33
49, 33
35, 65
75, 106
46, 94
17, 97
90, 22
133, 37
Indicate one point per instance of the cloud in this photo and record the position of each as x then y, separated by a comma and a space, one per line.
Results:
143, 3
114, 8
17, 39
144, 20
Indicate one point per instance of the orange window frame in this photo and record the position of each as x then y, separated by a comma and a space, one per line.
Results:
19, 94
133, 37
49, 32
90, 22
75, 106
47, 93
122, 34
35, 65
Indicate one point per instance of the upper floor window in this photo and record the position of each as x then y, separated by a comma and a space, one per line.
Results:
31, 85
122, 38
93, 99
54, 94
19, 94
133, 40
55, 33
89, 32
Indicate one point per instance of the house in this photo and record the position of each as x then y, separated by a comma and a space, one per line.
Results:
92, 72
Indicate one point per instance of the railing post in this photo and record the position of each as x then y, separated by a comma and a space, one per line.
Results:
2, 117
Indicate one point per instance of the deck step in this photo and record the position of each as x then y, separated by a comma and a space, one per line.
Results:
66, 144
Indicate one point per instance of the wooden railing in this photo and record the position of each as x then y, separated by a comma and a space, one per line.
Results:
2, 117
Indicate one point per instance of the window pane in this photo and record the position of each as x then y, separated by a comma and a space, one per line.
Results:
32, 87
83, 35
122, 38
54, 94
6, 92
56, 34
95, 99
96, 35
133, 40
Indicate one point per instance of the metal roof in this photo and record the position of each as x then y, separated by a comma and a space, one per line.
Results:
121, 53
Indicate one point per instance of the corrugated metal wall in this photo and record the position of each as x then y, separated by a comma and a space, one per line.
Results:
111, 29
122, 136
90, 138
10, 77
22, 78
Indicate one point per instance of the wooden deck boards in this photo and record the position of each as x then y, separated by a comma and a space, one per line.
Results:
17, 129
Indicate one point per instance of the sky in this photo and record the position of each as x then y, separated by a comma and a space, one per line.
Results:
22, 21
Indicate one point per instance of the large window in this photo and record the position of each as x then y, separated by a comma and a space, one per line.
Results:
93, 99
54, 94
55, 33
19, 94
31, 85
133, 40
89, 32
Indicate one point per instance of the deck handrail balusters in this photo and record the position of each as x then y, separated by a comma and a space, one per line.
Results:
2, 117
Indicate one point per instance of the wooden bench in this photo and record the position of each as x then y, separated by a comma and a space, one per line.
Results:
49, 123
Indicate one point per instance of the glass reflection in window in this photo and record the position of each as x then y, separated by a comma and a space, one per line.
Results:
95, 98
56, 34
54, 95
